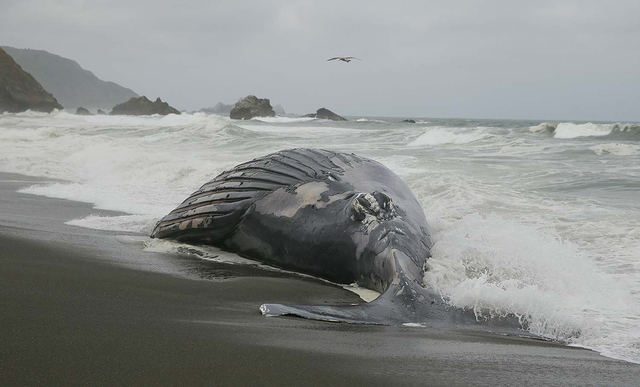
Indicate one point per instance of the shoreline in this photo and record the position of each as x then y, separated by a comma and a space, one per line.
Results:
82, 308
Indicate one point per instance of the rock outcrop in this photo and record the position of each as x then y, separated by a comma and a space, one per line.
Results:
69, 83
100, 112
142, 106
252, 106
83, 112
409, 121
326, 114
220, 108
19, 91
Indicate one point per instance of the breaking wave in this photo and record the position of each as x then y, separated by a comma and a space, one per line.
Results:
441, 136
569, 130
283, 120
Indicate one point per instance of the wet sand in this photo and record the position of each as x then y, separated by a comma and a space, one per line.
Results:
81, 308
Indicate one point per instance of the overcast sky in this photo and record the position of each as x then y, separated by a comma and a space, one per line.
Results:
474, 59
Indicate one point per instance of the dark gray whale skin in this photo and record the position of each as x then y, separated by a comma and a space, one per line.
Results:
337, 216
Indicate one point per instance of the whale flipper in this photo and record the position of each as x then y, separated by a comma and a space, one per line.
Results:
394, 307
403, 303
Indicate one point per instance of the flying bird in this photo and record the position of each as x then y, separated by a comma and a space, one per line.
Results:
344, 58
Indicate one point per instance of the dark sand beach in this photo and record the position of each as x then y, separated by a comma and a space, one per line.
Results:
81, 308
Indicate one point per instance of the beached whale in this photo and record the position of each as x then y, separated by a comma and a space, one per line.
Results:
338, 216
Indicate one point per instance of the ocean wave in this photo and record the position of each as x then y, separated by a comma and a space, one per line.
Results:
298, 130
371, 120
544, 127
283, 120
616, 149
440, 136
569, 130
497, 266
32, 113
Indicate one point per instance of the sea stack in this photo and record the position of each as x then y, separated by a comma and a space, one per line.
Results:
142, 106
83, 112
252, 106
326, 114
19, 91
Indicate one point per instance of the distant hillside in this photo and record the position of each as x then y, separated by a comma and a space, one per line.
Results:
69, 83
220, 108
19, 91
279, 110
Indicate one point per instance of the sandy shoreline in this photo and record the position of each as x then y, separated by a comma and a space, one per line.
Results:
79, 307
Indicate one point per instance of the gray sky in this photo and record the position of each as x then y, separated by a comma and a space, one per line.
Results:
478, 59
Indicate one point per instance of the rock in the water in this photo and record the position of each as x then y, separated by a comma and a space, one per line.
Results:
409, 121
326, 114
100, 112
279, 110
83, 112
19, 91
142, 106
220, 108
252, 106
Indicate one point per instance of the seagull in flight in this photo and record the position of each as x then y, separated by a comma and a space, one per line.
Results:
344, 58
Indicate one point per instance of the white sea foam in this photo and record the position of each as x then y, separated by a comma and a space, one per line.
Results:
617, 149
300, 131
283, 120
569, 130
512, 233
440, 136
129, 223
498, 266
370, 120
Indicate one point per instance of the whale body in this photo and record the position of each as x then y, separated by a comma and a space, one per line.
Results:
338, 216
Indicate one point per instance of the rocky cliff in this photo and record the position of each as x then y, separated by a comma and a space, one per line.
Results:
69, 83
19, 91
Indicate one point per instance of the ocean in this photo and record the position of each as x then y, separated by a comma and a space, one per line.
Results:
538, 219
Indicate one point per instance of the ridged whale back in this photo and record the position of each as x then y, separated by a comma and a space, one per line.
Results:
212, 212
